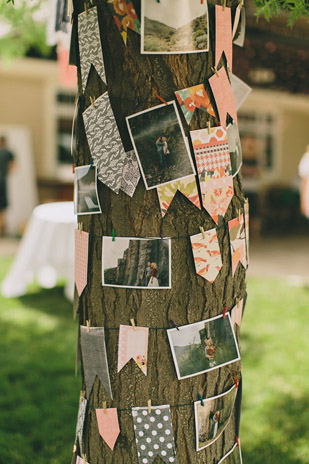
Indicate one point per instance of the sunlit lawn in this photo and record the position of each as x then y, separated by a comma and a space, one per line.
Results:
39, 393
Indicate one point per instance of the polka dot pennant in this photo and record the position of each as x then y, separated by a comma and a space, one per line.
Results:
154, 434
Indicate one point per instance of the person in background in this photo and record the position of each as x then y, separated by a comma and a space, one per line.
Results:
303, 172
6, 164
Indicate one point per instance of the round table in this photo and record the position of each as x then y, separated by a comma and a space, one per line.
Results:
46, 251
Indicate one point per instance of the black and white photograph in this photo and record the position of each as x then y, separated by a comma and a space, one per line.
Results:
233, 456
86, 200
160, 145
212, 417
136, 263
203, 346
233, 140
174, 26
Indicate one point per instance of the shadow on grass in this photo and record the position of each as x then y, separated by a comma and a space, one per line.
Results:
52, 301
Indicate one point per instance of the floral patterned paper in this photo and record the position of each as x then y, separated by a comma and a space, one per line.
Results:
194, 97
125, 17
186, 186
133, 344
206, 253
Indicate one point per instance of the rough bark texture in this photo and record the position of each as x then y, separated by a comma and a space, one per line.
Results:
131, 75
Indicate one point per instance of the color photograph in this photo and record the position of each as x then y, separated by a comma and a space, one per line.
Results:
174, 26
86, 199
234, 147
233, 456
160, 145
136, 263
212, 418
203, 346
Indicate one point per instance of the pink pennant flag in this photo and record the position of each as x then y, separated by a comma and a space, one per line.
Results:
133, 344
223, 94
236, 313
67, 73
224, 41
186, 186
108, 425
81, 260
237, 242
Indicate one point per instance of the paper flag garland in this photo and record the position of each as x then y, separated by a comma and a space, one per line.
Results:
206, 253
133, 344
105, 142
80, 460
237, 242
90, 49
108, 425
223, 94
80, 423
246, 217
224, 41
130, 174
186, 186
240, 90
194, 97
125, 17
214, 169
154, 434
95, 358
236, 19
234, 147
236, 313
81, 260
240, 38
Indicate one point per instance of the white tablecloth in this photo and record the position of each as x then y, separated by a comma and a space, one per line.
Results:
46, 251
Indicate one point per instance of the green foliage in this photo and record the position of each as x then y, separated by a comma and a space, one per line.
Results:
25, 31
294, 9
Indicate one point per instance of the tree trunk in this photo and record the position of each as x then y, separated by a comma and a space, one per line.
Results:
134, 82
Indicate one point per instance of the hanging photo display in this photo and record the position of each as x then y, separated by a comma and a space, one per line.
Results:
240, 90
203, 346
90, 49
240, 32
223, 95
194, 98
125, 17
174, 26
224, 41
234, 147
81, 260
206, 254
133, 344
108, 425
212, 417
86, 200
154, 434
80, 423
160, 145
236, 313
136, 263
238, 242
80, 460
233, 456
130, 174
246, 218
186, 186
214, 169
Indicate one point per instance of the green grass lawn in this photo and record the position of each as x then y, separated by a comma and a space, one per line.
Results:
39, 393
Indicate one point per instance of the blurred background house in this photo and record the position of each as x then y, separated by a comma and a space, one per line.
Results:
37, 107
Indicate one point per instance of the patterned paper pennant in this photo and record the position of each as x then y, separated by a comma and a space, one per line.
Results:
81, 260
80, 423
133, 344
95, 358
108, 425
240, 90
224, 41
214, 169
186, 186
206, 254
105, 142
223, 94
239, 39
154, 434
234, 147
125, 17
236, 313
90, 49
130, 174
246, 217
194, 97
237, 242
80, 460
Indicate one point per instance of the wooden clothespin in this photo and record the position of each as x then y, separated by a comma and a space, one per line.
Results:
70, 8
80, 226
215, 70
239, 214
241, 4
114, 235
200, 398
133, 324
84, 456
224, 5
104, 406
92, 100
202, 231
86, 8
149, 406
224, 312
162, 100
73, 168
82, 395
88, 326
208, 126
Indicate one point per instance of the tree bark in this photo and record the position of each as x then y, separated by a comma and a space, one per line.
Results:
132, 78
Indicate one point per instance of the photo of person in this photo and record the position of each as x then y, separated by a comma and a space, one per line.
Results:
86, 199
233, 456
203, 346
136, 263
160, 145
212, 418
234, 147
174, 26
